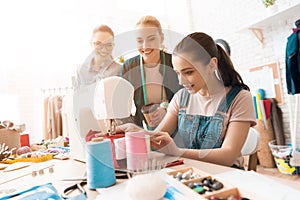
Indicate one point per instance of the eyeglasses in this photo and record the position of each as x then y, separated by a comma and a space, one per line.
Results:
100, 45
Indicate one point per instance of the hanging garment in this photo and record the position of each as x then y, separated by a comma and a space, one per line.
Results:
54, 124
66, 110
45, 123
294, 119
293, 62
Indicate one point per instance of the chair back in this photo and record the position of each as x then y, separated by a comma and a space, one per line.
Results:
251, 143
250, 148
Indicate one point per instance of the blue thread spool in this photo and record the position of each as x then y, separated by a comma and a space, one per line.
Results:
100, 166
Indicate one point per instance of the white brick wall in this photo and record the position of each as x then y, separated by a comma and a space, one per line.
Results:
246, 50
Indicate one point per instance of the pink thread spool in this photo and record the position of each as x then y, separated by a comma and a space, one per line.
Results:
137, 149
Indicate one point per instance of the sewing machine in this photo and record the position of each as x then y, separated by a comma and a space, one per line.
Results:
97, 107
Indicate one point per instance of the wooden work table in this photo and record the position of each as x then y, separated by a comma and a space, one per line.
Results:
66, 169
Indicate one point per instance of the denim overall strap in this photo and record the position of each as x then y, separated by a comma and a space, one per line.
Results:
183, 134
225, 104
184, 99
212, 137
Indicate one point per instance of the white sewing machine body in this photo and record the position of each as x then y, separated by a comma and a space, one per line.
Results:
108, 99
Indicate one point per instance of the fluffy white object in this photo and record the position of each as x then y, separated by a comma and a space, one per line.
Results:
147, 187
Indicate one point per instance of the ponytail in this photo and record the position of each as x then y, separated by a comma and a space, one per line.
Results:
226, 69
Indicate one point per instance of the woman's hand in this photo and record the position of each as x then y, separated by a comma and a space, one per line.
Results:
165, 144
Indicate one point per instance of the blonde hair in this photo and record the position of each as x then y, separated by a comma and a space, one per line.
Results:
103, 28
150, 20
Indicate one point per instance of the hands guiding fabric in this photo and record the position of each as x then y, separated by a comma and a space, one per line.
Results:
159, 140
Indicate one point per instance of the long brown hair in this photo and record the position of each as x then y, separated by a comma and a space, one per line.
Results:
202, 47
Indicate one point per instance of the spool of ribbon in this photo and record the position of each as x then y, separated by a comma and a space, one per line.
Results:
100, 165
137, 149
112, 138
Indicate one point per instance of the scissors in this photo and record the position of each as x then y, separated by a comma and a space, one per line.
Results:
120, 174
78, 186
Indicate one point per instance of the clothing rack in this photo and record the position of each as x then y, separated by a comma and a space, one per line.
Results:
57, 91
54, 124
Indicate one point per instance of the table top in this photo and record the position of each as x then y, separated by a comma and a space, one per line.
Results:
66, 169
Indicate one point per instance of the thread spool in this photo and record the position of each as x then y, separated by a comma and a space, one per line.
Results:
120, 148
137, 149
100, 166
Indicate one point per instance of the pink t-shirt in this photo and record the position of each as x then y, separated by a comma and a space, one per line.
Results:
241, 108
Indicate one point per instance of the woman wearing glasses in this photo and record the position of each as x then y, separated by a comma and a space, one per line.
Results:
100, 63
151, 72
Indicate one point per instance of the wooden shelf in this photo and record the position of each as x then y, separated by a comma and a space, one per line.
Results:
275, 17
281, 15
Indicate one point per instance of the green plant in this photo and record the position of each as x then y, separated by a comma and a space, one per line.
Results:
268, 3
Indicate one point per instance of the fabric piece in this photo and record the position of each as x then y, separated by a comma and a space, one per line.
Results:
267, 106
277, 122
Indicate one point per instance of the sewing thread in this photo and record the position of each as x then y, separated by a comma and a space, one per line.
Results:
100, 166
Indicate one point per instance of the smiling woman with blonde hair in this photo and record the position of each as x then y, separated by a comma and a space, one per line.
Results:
151, 72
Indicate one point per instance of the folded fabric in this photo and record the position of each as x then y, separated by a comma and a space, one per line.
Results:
46, 191
267, 106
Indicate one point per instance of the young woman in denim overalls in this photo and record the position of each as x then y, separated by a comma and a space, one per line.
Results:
210, 117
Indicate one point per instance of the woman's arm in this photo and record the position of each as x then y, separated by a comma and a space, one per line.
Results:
234, 140
168, 124
226, 155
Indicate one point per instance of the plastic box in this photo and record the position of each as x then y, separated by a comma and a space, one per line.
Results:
282, 155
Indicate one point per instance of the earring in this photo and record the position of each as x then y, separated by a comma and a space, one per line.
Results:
217, 73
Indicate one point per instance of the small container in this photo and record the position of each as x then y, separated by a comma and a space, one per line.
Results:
148, 111
282, 155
